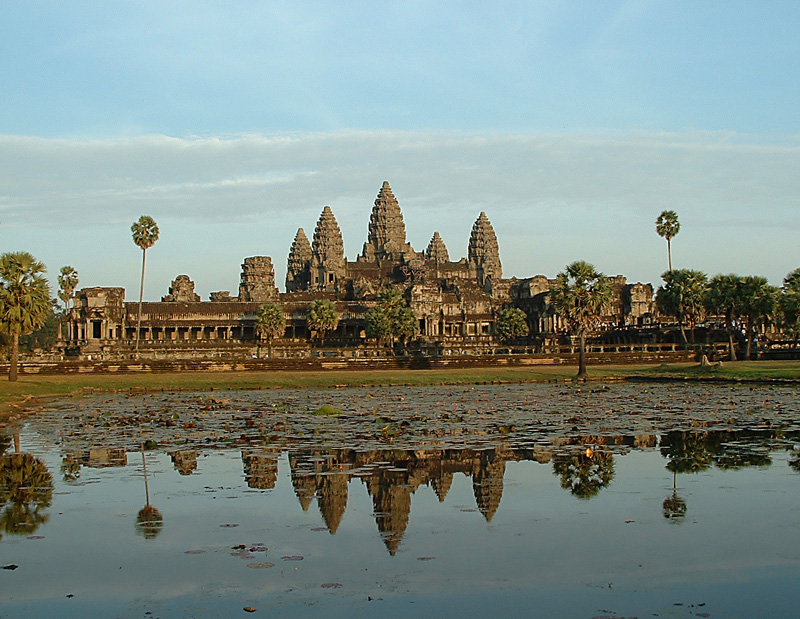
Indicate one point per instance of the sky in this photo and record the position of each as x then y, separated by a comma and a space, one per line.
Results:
571, 124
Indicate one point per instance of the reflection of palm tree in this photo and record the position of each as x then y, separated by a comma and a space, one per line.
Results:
149, 520
674, 507
687, 452
794, 461
584, 473
26, 487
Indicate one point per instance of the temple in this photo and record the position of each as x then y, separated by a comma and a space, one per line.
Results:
455, 301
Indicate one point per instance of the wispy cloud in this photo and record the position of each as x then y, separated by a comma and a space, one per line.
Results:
551, 198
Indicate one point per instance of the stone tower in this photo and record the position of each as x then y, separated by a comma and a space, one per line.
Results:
298, 268
483, 253
437, 250
182, 291
327, 253
257, 282
386, 238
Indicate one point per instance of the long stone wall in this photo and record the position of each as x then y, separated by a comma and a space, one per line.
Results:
323, 363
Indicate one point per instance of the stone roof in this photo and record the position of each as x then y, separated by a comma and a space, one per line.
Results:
437, 250
483, 250
328, 245
386, 237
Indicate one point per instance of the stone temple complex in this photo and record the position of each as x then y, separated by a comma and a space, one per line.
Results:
455, 301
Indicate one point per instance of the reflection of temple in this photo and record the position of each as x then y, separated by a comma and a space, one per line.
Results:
454, 301
391, 477
260, 469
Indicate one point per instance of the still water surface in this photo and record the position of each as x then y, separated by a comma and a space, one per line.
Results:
543, 501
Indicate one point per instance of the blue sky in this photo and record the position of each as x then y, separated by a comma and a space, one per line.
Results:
572, 124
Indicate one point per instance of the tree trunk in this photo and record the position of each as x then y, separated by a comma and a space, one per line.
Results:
669, 254
141, 296
731, 346
749, 341
12, 368
582, 357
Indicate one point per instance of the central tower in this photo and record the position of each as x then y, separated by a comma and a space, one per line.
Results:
386, 239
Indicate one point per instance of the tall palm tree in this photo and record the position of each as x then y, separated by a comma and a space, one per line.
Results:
67, 283
667, 226
580, 297
145, 235
24, 299
270, 324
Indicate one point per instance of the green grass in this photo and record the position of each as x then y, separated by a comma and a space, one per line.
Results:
33, 386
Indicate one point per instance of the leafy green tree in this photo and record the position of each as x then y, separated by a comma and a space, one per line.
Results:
667, 226
270, 323
724, 298
581, 296
759, 300
391, 318
683, 296
145, 235
511, 324
24, 299
789, 304
322, 317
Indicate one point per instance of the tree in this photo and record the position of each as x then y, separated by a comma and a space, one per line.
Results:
67, 283
145, 235
24, 299
683, 296
580, 297
667, 226
322, 317
724, 298
758, 304
270, 323
26, 491
789, 304
512, 323
391, 317
584, 473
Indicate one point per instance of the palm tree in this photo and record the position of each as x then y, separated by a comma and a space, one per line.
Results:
789, 303
145, 235
391, 317
67, 283
667, 226
758, 303
580, 297
724, 298
24, 299
270, 323
322, 317
683, 296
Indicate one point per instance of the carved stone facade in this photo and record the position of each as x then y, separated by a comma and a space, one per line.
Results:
455, 301
181, 291
258, 280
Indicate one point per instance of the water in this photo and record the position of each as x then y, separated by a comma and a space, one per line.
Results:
545, 500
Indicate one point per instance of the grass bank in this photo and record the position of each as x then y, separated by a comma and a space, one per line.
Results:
16, 397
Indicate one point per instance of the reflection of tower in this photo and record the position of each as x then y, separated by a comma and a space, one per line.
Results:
260, 470
441, 485
391, 499
332, 498
304, 487
184, 461
487, 482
